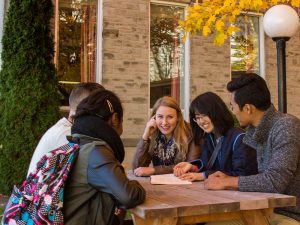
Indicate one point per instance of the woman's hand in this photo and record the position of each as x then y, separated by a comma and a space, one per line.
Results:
192, 176
150, 128
143, 171
182, 168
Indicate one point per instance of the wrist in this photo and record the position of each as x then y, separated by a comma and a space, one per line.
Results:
194, 169
231, 183
145, 137
200, 176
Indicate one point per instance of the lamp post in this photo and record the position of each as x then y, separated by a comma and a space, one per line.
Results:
280, 23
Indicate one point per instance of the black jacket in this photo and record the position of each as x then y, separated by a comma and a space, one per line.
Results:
97, 185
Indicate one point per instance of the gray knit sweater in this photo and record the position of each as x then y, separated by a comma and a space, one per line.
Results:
277, 142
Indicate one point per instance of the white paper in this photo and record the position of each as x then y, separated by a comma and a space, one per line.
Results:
167, 179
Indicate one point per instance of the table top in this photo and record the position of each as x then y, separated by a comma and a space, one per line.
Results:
193, 199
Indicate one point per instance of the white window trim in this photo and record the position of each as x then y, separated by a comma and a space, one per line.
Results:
98, 74
186, 79
168, 3
261, 41
262, 61
186, 104
2, 16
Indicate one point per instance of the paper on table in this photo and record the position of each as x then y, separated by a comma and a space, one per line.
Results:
167, 179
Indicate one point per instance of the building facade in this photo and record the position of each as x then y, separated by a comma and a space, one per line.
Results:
116, 46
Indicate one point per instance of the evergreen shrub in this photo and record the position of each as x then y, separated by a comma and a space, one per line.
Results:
28, 86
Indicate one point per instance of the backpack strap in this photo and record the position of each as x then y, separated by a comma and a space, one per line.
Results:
215, 153
235, 140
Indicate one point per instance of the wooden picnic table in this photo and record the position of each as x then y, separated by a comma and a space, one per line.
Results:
191, 203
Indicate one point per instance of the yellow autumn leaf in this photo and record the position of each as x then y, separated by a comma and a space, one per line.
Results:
274, 2
206, 30
220, 38
232, 29
242, 4
198, 24
218, 15
256, 4
219, 25
231, 19
227, 3
211, 19
196, 7
236, 12
295, 3
265, 5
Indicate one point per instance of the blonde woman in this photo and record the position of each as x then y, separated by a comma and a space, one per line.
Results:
165, 141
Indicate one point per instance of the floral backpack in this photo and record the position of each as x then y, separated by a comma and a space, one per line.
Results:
39, 200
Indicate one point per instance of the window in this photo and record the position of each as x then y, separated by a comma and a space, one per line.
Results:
246, 46
167, 53
75, 38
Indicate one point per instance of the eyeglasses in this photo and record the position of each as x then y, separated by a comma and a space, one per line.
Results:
198, 118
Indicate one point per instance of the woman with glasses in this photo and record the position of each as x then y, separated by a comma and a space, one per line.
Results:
221, 143
165, 141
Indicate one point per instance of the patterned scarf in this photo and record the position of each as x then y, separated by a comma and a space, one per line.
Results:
164, 152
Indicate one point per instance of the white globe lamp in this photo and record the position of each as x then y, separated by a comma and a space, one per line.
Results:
280, 23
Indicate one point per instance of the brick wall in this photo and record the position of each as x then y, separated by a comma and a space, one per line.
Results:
209, 67
292, 72
126, 63
126, 59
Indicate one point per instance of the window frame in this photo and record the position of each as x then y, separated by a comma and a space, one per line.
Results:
261, 42
186, 56
99, 41
99, 38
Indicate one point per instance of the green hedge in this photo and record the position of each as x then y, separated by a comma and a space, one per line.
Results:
28, 86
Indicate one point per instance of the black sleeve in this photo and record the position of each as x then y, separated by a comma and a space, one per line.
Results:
106, 174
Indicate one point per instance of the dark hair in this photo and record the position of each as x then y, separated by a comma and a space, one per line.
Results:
81, 91
252, 89
102, 103
214, 107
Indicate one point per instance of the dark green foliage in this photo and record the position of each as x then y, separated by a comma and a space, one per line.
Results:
28, 87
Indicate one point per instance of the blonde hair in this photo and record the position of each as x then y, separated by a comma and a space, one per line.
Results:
182, 132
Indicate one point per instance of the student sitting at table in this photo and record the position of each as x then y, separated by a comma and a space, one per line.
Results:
221, 143
165, 141
275, 136
98, 183
56, 136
